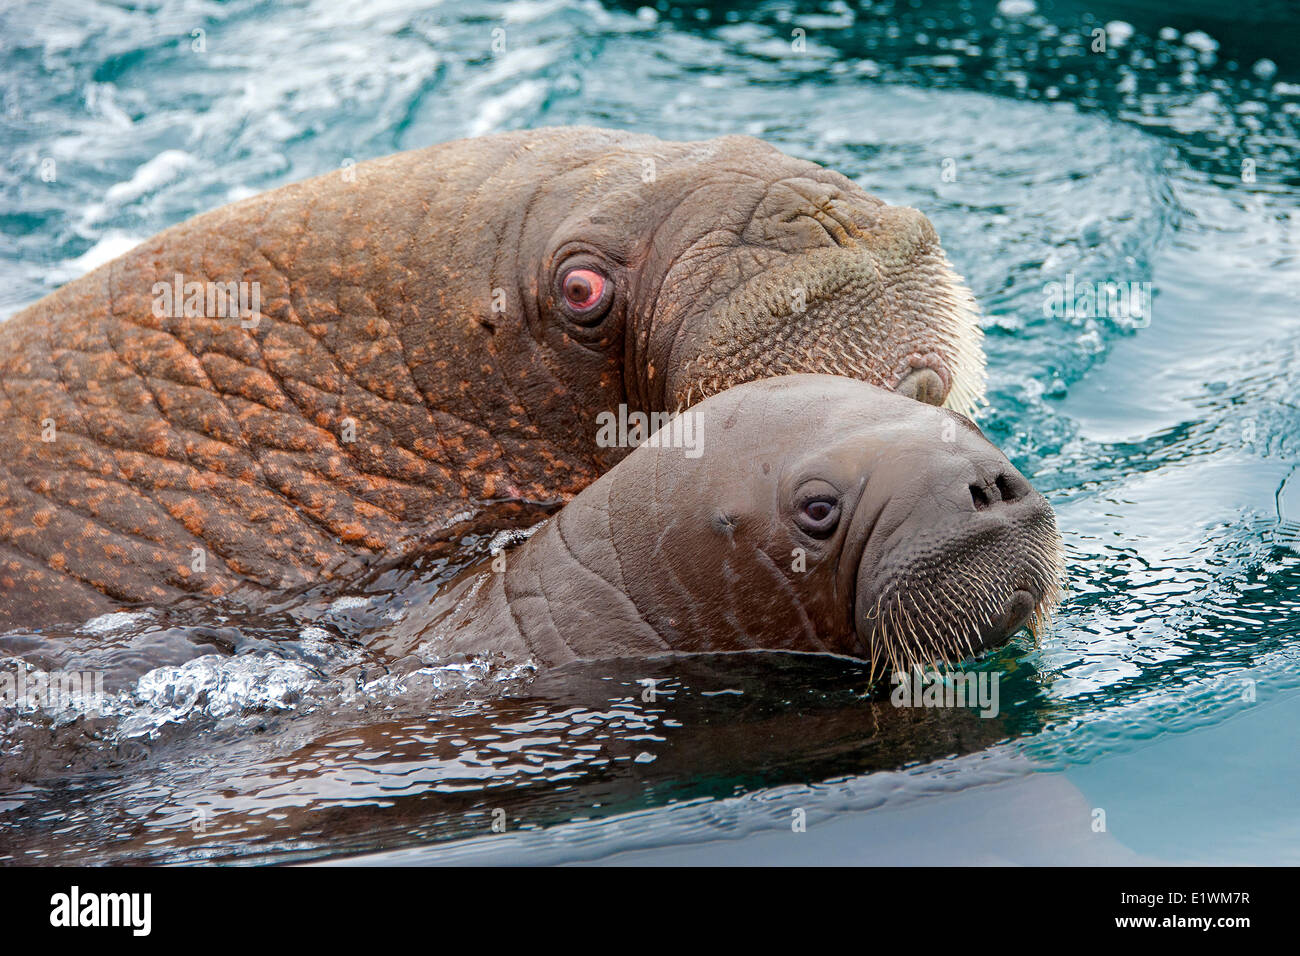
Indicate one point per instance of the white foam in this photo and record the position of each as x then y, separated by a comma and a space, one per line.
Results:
1017, 8
348, 602
215, 687
511, 537
527, 11
157, 172
210, 686
112, 623
236, 193
108, 248
496, 110
1118, 32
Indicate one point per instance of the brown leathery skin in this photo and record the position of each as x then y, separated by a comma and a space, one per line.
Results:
667, 553
192, 438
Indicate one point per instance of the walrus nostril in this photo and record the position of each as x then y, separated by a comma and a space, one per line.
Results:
924, 385
1007, 488
1018, 611
1011, 487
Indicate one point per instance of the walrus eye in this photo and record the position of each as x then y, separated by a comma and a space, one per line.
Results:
818, 516
584, 292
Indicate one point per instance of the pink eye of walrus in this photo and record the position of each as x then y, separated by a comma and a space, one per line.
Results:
583, 289
818, 516
818, 510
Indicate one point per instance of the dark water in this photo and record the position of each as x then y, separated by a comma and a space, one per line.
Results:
1167, 694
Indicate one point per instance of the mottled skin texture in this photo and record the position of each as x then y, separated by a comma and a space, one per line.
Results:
415, 299
938, 548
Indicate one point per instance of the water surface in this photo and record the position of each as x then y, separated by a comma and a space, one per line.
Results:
1167, 693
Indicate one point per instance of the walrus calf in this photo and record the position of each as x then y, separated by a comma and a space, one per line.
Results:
825, 515
276, 392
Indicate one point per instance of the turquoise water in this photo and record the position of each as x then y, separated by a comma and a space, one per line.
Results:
1166, 695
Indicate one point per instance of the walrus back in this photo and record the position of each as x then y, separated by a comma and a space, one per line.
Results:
161, 444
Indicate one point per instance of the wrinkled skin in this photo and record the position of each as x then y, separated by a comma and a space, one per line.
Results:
936, 547
416, 304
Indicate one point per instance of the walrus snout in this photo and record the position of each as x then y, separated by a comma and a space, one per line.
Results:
847, 286
964, 553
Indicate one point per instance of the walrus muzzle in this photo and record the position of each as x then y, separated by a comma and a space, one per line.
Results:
883, 278
959, 565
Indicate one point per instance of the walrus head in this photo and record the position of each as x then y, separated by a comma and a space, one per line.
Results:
693, 267
830, 515
809, 513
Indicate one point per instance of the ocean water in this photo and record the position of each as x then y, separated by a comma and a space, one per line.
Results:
1053, 145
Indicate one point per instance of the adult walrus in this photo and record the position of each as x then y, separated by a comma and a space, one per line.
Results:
825, 515
426, 333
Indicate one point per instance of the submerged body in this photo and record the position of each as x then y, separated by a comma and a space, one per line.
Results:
429, 334
823, 515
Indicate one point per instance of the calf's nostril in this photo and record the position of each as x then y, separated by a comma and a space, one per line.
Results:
1006, 488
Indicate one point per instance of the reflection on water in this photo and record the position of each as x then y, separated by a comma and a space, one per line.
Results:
580, 743
1168, 447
